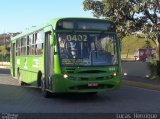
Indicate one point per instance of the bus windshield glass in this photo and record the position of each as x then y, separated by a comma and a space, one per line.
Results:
87, 49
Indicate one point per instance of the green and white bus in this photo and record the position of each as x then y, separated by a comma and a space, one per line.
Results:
77, 55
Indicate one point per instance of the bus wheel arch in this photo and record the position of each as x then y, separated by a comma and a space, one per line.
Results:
39, 78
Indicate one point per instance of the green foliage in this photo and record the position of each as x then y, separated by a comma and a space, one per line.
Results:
3, 50
4, 53
153, 66
129, 15
147, 44
153, 69
124, 13
97, 6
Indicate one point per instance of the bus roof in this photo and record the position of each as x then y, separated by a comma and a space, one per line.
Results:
52, 24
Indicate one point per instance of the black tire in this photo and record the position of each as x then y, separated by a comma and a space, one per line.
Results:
45, 93
92, 93
39, 76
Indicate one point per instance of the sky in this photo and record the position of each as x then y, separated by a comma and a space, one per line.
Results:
18, 15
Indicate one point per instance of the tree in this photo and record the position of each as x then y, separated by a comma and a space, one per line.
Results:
147, 44
130, 16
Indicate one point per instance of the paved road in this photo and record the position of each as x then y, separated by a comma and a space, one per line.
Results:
17, 99
127, 99
4, 71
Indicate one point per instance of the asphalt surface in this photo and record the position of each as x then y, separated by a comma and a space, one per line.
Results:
29, 100
18, 99
142, 80
4, 71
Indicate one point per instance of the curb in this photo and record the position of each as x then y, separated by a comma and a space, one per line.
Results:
6, 79
141, 85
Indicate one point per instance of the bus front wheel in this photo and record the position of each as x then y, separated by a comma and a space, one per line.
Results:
45, 93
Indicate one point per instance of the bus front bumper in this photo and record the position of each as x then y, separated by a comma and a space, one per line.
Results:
63, 85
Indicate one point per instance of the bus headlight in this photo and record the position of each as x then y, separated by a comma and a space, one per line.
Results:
65, 76
115, 74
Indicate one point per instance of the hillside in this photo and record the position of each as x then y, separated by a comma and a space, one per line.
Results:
130, 43
2, 50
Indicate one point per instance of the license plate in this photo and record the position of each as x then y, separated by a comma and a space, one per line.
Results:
92, 84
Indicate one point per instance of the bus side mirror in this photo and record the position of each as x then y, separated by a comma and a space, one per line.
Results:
52, 41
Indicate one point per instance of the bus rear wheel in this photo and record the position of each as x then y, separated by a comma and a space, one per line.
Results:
39, 76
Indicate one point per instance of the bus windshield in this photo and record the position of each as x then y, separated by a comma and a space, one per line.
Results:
87, 49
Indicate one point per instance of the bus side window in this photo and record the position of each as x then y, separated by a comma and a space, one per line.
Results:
39, 48
39, 38
30, 45
33, 44
23, 45
18, 47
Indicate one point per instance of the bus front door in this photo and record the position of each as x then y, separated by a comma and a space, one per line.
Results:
48, 61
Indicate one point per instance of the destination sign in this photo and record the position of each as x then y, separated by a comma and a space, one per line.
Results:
77, 37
